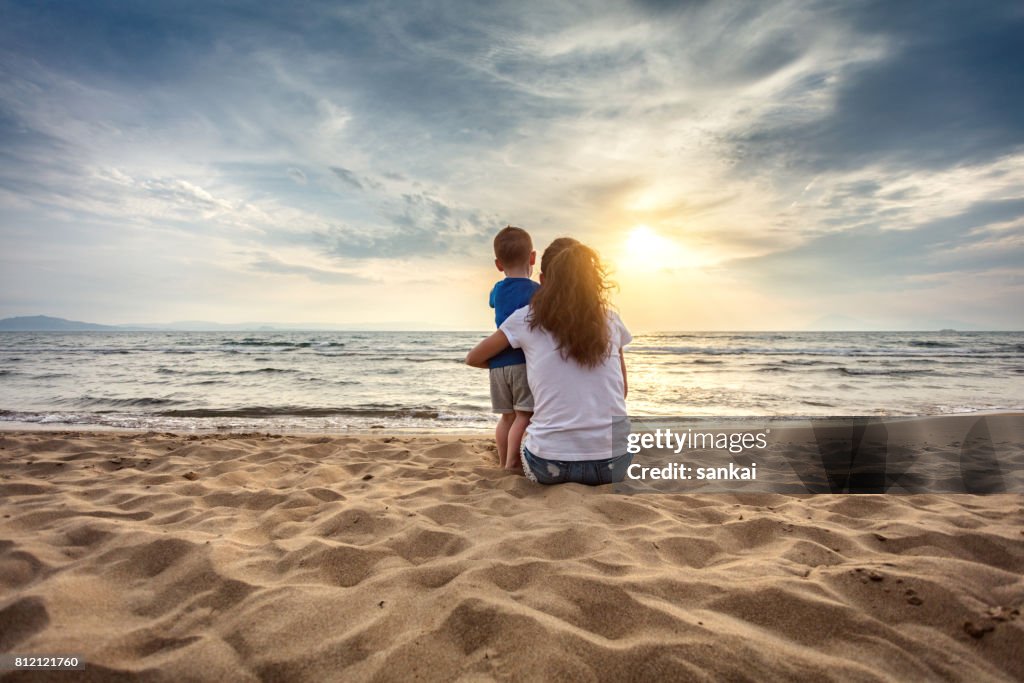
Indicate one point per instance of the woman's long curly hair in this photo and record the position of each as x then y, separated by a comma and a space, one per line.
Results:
572, 302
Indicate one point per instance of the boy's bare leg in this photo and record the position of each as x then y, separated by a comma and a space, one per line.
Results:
501, 436
515, 440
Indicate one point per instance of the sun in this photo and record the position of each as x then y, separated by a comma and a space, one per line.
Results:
645, 251
644, 243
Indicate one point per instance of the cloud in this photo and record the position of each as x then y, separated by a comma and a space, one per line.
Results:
874, 259
415, 225
772, 136
948, 91
347, 176
269, 264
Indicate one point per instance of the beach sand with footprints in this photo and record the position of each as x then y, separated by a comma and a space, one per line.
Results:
267, 557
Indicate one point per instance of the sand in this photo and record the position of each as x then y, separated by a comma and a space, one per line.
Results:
259, 557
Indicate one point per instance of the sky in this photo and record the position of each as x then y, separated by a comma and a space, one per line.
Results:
739, 166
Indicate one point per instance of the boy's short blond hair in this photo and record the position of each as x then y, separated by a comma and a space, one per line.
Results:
512, 246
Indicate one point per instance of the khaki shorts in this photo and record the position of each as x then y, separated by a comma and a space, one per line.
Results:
510, 390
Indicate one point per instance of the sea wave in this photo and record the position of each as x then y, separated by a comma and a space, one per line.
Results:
859, 372
228, 373
931, 344
304, 411
105, 402
262, 371
253, 341
922, 351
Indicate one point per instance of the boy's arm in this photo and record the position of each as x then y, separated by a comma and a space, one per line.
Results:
487, 348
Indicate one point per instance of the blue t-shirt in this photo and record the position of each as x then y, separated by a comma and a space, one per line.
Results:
507, 297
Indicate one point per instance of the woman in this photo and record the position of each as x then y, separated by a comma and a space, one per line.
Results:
573, 344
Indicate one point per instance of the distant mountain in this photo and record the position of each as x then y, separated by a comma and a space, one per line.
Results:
44, 323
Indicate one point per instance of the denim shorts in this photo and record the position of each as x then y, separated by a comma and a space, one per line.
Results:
589, 472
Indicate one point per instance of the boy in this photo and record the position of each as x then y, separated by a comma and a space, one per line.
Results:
510, 392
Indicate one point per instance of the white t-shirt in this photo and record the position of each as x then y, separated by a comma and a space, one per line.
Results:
573, 406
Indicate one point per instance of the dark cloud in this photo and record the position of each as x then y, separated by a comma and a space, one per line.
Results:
669, 7
347, 176
949, 91
417, 225
382, 61
140, 44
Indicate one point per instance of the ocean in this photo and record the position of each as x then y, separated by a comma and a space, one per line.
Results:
359, 381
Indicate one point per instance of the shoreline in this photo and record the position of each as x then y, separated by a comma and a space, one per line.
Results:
65, 429
73, 428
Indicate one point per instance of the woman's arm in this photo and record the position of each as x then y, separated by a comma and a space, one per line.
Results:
486, 349
625, 382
